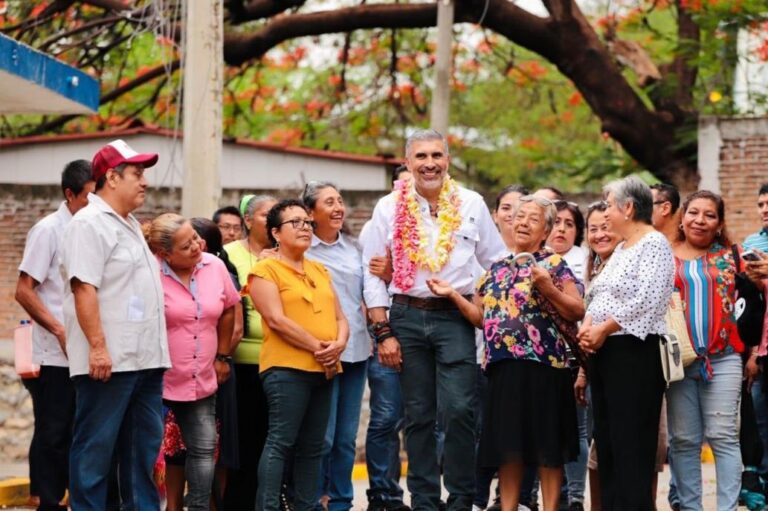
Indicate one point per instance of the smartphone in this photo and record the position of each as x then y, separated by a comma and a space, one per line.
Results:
748, 255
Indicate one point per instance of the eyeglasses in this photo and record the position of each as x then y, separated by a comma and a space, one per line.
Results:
299, 223
568, 203
600, 204
230, 227
541, 201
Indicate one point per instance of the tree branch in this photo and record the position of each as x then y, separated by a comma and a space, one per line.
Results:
241, 12
528, 29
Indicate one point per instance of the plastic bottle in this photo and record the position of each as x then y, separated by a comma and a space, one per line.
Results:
22, 341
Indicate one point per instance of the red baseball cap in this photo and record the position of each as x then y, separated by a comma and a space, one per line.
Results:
116, 153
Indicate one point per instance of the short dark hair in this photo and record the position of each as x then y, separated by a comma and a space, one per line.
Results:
514, 188
103, 179
76, 175
578, 218
226, 210
763, 189
668, 193
274, 217
210, 232
397, 171
556, 191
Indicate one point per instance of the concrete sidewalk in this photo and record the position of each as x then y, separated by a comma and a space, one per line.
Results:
16, 473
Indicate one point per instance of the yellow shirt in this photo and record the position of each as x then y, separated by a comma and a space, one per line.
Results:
309, 301
249, 349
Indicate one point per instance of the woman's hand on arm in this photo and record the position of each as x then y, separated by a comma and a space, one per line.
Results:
472, 311
381, 266
266, 300
568, 302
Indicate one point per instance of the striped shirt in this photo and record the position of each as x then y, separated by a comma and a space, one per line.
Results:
707, 288
758, 240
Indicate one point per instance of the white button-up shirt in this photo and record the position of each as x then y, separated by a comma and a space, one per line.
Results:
343, 259
634, 287
107, 251
41, 262
476, 237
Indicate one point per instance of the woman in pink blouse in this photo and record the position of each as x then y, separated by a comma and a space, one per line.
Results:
200, 301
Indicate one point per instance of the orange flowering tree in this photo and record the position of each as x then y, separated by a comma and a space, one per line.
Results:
566, 93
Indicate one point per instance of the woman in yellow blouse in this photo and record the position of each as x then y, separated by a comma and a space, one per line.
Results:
305, 332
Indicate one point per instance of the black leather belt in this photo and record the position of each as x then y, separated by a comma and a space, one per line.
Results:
429, 304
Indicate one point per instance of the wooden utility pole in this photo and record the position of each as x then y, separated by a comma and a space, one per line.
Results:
441, 96
203, 82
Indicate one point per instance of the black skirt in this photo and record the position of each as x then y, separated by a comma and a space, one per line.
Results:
529, 415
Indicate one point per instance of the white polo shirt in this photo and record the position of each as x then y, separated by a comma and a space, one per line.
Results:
41, 262
105, 250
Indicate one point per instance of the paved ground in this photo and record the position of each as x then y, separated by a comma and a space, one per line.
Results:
708, 469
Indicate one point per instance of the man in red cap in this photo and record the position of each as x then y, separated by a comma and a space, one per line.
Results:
116, 337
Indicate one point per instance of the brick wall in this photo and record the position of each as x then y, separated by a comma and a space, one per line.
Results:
21, 206
733, 161
743, 168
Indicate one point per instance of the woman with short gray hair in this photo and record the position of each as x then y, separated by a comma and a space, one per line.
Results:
624, 321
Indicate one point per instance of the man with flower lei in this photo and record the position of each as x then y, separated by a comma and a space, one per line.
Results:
434, 229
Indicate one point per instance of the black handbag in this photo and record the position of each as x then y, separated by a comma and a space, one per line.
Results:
749, 306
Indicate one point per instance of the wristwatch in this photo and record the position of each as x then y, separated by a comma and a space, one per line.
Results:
222, 357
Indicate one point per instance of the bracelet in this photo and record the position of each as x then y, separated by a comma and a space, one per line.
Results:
381, 331
223, 357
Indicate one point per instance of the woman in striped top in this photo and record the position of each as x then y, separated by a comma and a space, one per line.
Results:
705, 404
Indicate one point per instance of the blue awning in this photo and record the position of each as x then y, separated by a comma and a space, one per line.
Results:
33, 82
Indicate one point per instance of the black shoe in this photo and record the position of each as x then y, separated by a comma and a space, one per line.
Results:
377, 505
576, 506
397, 505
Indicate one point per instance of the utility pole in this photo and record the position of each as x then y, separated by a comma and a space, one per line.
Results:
203, 83
441, 97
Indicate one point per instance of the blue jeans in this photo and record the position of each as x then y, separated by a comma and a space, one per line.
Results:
700, 410
341, 436
438, 350
576, 471
197, 422
382, 440
123, 415
760, 402
299, 405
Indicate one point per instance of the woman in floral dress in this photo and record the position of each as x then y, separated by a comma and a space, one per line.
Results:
526, 312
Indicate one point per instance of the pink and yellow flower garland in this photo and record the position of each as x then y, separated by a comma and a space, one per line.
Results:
410, 241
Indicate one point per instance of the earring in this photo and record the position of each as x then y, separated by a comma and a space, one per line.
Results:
626, 217
680, 227
277, 244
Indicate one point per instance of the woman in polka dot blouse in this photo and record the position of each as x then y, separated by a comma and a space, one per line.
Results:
621, 330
